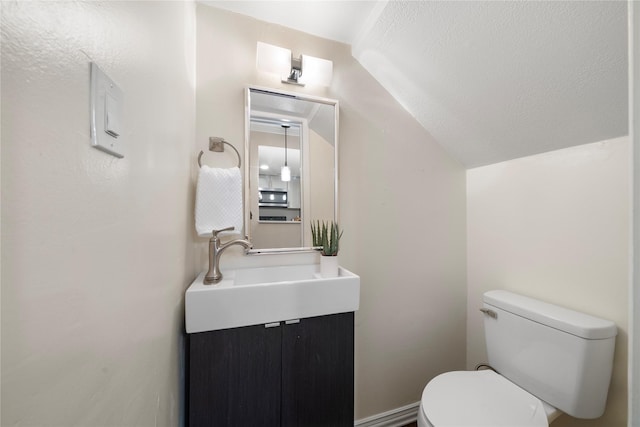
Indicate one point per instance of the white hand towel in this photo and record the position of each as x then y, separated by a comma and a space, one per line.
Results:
218, 200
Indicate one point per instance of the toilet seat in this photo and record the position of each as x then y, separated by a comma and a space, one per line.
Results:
480, 398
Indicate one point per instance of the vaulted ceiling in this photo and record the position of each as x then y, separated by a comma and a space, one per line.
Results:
491, 81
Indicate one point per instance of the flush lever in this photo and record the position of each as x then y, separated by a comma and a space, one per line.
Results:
489, 312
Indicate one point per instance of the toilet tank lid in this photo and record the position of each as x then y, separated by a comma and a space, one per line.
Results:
564, 319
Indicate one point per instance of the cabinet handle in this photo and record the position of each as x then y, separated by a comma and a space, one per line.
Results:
291, 322
272, 325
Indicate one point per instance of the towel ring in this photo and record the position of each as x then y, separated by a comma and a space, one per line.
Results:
216, 144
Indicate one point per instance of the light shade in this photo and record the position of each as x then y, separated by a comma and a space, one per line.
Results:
285, 174
279, 61
316, 71
273, 59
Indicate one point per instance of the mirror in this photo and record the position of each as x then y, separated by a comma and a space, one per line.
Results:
278, 210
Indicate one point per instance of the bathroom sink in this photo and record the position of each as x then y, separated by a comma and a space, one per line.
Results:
251, 296
255, 276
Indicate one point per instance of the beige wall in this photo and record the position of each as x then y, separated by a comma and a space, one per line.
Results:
321, 178
555, 227
634, 130
402, 206
97, 251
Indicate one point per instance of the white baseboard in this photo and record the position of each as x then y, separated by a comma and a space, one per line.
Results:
394, 418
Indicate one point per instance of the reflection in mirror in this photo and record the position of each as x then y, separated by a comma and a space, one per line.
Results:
279, 197
280, 203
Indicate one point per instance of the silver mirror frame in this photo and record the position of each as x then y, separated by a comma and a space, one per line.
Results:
247, 186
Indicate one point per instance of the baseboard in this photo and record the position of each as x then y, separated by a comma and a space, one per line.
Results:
394, 418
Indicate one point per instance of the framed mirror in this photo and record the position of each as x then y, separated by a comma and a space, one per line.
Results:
291, 178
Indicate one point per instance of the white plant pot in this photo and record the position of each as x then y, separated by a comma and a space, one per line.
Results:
328, 266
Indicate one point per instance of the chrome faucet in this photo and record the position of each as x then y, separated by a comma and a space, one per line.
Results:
215, 251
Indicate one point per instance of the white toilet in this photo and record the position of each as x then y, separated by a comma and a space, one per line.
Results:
548, 360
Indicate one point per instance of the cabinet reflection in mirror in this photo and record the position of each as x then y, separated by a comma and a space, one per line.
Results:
287, 188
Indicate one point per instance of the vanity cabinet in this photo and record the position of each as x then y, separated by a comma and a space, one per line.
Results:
293, 374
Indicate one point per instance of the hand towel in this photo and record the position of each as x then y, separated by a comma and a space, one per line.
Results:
218, 201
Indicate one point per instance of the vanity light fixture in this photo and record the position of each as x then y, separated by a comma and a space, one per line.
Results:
285, 172
303, 70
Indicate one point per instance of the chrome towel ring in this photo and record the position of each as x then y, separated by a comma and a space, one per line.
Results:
217, 144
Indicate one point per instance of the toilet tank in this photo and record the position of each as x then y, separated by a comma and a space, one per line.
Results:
561, 356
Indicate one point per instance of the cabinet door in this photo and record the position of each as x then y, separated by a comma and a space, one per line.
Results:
235, 377
317, 372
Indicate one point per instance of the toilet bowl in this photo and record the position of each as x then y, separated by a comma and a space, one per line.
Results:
546, 357
481, 398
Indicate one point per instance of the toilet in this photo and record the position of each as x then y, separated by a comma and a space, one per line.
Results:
544, 360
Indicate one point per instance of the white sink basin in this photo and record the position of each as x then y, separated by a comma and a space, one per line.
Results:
255, 276
251, 296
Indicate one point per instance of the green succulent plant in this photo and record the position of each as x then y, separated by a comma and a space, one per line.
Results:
316, 234
326, 236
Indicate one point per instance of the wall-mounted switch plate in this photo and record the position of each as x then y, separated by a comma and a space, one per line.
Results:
112, 116
106, 113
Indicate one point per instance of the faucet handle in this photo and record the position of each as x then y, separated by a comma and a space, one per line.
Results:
215, 232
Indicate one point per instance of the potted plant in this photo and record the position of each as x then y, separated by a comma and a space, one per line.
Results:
326, 237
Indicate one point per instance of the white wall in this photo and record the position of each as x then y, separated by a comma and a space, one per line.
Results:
634, 130
321, 178
402, 206
555, 226
97, 251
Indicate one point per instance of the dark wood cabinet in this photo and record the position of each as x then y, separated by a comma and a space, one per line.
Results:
295, 374
317, 372
234, 377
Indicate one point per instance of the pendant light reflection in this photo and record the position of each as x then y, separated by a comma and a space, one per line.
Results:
285, 172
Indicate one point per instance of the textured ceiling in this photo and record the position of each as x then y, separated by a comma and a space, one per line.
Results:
491, 81
339, 20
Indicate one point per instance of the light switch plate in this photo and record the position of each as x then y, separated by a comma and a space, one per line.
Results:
112, 116
106, 113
